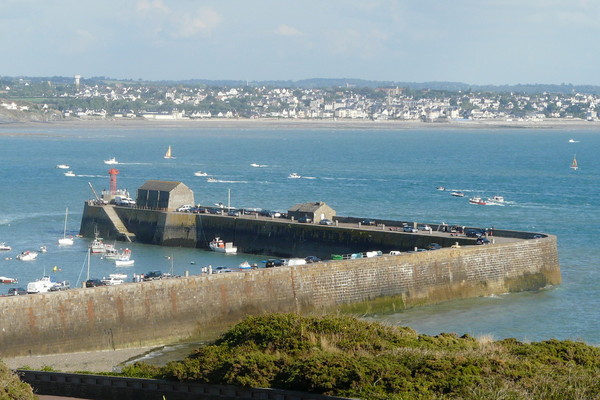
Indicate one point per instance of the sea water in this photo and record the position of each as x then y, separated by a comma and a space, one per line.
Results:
391, 174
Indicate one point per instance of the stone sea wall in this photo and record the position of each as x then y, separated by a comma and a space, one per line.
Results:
135, 314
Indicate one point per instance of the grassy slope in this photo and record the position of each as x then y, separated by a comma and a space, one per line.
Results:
348, 357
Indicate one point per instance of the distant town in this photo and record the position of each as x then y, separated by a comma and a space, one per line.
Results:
63, 98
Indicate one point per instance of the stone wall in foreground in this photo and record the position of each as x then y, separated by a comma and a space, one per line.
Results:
154, 312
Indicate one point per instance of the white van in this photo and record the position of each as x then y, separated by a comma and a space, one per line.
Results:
124, 201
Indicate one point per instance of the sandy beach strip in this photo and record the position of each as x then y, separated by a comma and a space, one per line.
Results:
95, 361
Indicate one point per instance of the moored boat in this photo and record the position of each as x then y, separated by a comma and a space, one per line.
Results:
97, 245
27, 255
66, 241
245, 266
221, 246
5, 279
124, 262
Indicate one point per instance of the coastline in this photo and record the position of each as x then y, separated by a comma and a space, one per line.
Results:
295, 124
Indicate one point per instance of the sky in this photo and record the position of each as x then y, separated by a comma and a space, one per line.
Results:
477, 42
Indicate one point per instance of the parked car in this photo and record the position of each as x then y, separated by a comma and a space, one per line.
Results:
124, 201
410, 229
153, 275
305, 220
13, 291
93, 283
433, 246
273, 262
64, 285
368, 222
325, 221
482, 240
221, 270
233, 213
185, 208
312, 259
473, 233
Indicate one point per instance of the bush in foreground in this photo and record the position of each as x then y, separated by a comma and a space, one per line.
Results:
345, 356
11, 387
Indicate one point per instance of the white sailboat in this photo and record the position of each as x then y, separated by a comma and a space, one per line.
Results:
169, 154
65, 241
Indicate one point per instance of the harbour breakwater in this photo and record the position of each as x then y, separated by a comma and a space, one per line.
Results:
135, 314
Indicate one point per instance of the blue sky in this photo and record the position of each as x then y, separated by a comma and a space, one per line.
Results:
477, 42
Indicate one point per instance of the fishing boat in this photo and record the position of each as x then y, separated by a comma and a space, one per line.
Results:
457, 194
42, 285
66, 241
97, 245
124, 259
4, 247
5, 279
294, 175
111, 161
200, 173
63, 166
169, 153
70, 173
220, 246
478, 201
27, 255
574, 165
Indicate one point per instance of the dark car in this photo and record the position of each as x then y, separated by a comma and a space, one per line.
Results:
152, 275
198, 210
473, 233
274, 263
325, 221
312, 259
93, 283
305, 220
14, 291
433, 246
368, 222
482, 240
233, 213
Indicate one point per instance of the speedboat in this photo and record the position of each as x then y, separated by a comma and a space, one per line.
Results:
4, 247
294, 175
220, 246
441, 188
70, 173
477, 200
43, 249
124, 262
200, 173
4, 279
111, 161
458, 194
41, 285
211, 180
63, 166
496, 200
27, 255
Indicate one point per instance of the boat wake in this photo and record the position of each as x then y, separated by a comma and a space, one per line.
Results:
258, 165
212, 180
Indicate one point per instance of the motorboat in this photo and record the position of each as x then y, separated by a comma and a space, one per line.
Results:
111, 161
97, 245
294, 175
478, 201
220, 246
441, 188
211, 180
42, 285
63, 166
43, 249
5, 279
200, 173
118, 276
111, 253
70, 173
495, 200
124, 262
27, 255
4, 247
245, 266
572, 141
65, 241
458, 194
255, 165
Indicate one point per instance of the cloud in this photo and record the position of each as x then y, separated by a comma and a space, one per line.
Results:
203, 22
170, 23
286, 30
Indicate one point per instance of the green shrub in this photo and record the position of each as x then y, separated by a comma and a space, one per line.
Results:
11, 387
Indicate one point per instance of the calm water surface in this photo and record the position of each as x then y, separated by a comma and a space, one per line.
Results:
366, 173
